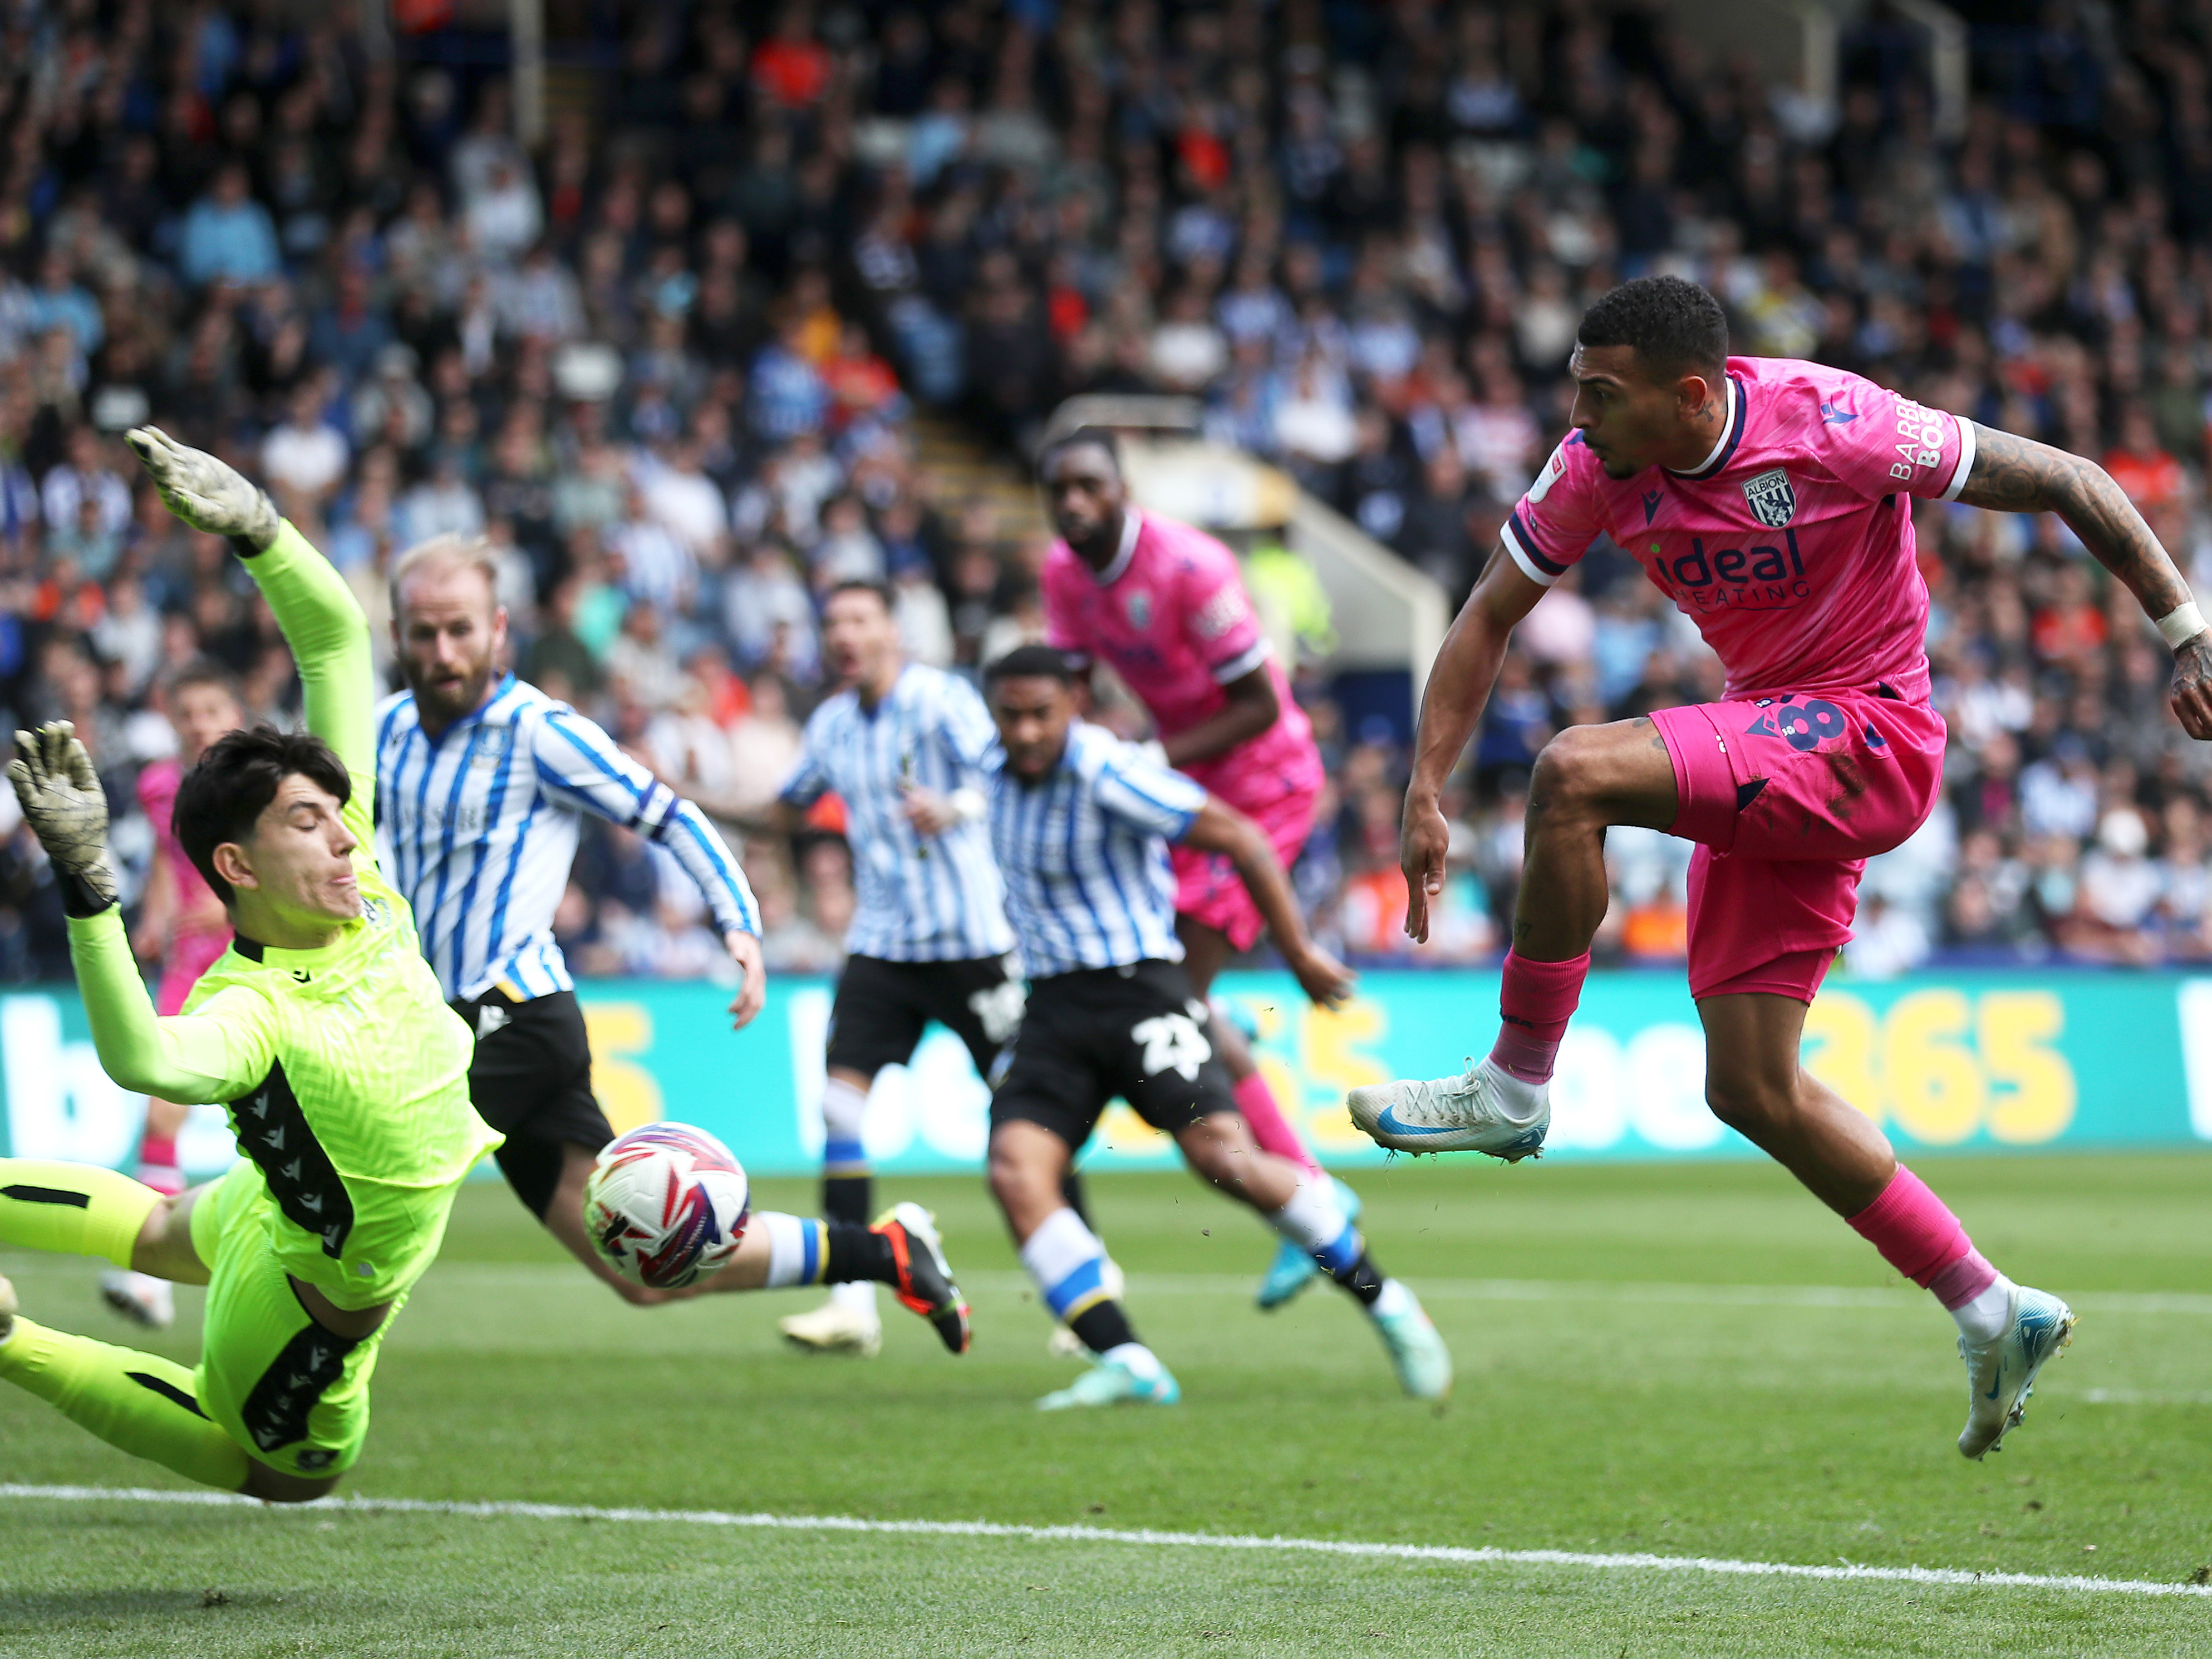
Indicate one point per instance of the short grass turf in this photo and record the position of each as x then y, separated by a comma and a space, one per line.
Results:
1648, 1362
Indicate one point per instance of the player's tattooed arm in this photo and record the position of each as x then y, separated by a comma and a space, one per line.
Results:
2019, 475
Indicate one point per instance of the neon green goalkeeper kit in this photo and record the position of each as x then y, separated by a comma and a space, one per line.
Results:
345, 1074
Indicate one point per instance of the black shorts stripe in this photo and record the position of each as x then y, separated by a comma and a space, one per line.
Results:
167, 1390
273, 1131
47, 1195
276, 1412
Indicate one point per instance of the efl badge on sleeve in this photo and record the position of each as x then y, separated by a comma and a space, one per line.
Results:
1772, 500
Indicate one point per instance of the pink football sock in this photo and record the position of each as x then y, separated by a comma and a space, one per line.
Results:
1269, 1127
1918, 1236
1535, 1003
157, 1165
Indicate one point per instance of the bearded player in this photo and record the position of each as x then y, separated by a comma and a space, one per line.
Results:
1772, 500
1164, 605
483, 782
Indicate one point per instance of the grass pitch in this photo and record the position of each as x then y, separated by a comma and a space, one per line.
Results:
1685, 1361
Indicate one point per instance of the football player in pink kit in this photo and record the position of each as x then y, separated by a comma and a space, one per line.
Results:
1165, 606
182, 925
1769, 499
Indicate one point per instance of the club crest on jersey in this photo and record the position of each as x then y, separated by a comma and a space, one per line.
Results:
494, 744
1772, 500
1139, 605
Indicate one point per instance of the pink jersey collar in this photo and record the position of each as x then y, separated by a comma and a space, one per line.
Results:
1731, 435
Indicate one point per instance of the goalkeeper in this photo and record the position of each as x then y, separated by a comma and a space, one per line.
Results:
321, 1028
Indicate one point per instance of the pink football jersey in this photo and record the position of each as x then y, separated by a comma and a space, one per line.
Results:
158, 782
1170, 614
1792, 546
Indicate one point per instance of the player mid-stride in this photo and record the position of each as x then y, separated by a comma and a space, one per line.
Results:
483, 781
902, 745
1081, 822
1770, 500
345, 1074
1163, 604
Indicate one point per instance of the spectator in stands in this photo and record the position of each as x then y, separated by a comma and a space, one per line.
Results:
670, 361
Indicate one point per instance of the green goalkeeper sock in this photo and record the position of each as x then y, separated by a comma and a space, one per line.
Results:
139, 1402
77, 1209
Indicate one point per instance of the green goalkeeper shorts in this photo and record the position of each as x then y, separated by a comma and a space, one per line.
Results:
294, 1395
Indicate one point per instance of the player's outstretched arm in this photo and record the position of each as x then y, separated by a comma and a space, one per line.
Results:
1460, 680
215, 1054
578, 763
2019, 475
1220, 827
321, 620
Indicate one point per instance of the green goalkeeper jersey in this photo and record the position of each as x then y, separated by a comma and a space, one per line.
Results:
345, 1073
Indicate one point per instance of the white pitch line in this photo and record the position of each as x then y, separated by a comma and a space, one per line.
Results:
1432, 1554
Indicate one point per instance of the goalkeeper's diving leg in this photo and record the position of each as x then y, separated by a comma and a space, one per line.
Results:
145, 1405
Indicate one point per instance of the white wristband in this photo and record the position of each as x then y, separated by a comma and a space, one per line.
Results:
969, 803
2181, 624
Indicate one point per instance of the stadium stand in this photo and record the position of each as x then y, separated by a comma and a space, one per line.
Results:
756, 311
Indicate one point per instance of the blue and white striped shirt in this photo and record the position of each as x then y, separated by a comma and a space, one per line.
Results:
1085, 852
480, 829
918, 898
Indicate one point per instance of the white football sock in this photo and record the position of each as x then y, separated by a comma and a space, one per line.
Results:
857, 1296
1315, 1221
844, 1109
1394, 1299
794, 1248
1068, 1263
1984, 1318
1519, 1101
1139, 1361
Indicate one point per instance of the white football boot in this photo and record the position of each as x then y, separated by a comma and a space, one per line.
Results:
847, 1324
150, 1301
2001, 1374
1484, 1109
1111, 1383
1418, 1353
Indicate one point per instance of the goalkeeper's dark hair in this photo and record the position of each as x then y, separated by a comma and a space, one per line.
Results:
236, 778
1675, 326
1024, 662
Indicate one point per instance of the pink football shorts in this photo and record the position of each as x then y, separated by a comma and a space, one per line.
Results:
190, 955
1208, 890
1787, 798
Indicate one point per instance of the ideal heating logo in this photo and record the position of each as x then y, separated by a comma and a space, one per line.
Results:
1761, 577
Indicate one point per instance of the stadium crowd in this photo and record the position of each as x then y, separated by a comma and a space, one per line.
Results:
668, 361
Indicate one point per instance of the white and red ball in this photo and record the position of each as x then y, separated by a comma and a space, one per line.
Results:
666, 1204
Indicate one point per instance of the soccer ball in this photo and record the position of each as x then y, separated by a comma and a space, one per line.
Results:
666, 1203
